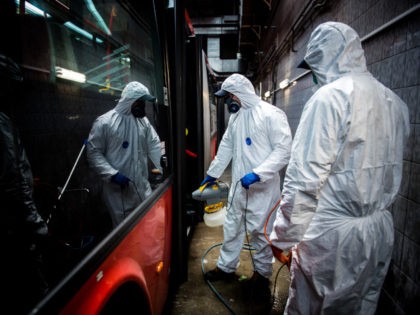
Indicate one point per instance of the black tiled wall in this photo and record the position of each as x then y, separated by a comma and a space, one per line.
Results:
393, 57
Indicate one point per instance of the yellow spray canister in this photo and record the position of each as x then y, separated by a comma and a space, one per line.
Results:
215, 196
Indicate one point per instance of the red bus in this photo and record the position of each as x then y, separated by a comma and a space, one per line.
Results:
76, 57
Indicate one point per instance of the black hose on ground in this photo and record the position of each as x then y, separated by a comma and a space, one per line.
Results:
247, 247
218, 295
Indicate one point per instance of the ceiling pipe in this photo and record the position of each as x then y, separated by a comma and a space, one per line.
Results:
241, 13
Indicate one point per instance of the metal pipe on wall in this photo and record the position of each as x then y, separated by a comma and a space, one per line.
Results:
367, 37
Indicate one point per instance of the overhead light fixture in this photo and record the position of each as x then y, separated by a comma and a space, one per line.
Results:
284, 84
70, 75
267, 94
32, 9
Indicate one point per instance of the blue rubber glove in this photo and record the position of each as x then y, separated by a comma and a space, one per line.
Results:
249, 179
120, 179
208, 179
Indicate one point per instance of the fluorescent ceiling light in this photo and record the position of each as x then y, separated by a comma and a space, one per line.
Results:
33, 9
82, 32
70, 75
36, 11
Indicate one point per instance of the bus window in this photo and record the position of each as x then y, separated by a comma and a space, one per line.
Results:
86, 53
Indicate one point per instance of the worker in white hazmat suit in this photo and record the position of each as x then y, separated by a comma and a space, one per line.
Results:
343, 175
119, 145
258, 142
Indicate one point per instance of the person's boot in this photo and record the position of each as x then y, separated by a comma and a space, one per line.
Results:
258, 288
217, 274
258, 294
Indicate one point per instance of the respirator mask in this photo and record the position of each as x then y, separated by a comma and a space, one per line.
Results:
232, 105
138, 109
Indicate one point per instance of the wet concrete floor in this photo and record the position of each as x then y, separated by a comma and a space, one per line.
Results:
196, 296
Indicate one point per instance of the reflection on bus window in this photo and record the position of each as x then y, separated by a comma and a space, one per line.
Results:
86, 53
120, 148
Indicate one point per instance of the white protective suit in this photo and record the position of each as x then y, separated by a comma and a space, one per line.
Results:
267, 152
343, 175
120, 142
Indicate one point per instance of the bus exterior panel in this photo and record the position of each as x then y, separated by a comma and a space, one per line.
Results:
142, 258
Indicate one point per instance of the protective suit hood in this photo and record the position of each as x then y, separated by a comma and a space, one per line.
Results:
334, 50
132, 92
242, 88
